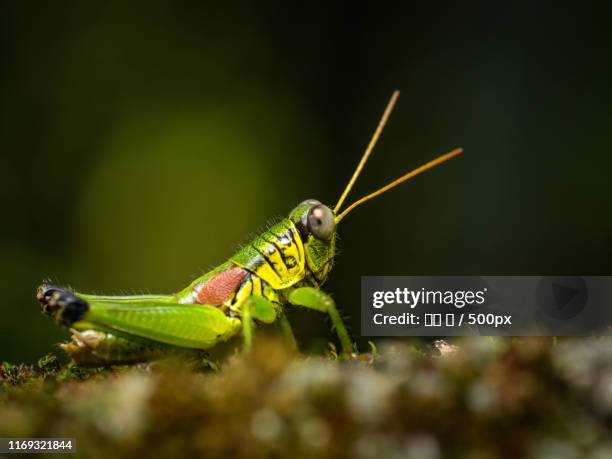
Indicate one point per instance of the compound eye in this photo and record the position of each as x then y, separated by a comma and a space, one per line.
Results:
321, 222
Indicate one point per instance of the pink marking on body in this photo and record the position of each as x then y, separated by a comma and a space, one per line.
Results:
221, 287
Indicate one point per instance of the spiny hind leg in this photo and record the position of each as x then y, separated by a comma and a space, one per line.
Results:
160, 319
94, 348
312, 298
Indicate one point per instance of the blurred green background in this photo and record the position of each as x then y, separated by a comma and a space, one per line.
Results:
142, 143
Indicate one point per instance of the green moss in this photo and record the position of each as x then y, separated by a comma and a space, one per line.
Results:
488, 398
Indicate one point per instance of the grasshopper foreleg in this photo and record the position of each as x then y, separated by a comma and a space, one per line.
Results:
312, 298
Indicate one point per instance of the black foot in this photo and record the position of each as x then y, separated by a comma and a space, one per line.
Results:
61, 304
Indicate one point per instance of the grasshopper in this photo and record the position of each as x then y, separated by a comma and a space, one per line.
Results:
284, 265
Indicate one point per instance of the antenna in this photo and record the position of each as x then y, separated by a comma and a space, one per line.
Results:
433, 163
368, 152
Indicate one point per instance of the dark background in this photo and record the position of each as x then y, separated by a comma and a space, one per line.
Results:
141, 144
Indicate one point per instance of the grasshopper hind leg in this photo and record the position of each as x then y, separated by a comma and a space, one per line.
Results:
160, 319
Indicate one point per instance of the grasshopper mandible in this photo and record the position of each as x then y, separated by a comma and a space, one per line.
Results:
286, 264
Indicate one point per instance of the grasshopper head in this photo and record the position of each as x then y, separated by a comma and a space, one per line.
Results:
317, 226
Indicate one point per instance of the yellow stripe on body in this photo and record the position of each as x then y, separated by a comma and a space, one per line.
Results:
253, 285
276, 256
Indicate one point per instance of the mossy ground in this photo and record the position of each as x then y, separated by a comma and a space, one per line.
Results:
491, 398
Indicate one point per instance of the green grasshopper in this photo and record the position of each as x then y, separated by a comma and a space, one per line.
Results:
285, 264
